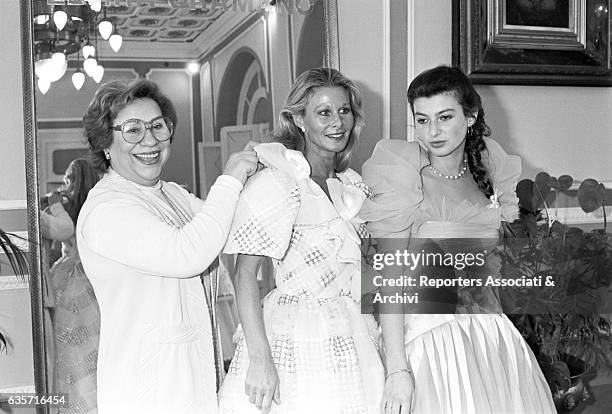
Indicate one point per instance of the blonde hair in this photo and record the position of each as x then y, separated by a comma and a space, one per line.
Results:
290, 135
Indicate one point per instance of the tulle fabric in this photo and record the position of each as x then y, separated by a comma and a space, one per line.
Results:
394, 172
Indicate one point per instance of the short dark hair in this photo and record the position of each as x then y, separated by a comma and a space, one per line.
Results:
108, 101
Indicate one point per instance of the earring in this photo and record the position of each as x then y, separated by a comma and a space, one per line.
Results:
469, 130
107, 155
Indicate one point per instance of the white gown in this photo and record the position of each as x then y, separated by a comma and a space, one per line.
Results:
476, 363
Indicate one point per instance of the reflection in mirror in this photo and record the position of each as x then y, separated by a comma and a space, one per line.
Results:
227, 69
16, 316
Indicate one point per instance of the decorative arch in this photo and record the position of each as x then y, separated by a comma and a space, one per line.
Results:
244, 98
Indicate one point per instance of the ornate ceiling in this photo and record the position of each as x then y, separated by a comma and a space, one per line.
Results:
139, 22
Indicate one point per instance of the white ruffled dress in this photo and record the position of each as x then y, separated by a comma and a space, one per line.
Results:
324, 350
462, 363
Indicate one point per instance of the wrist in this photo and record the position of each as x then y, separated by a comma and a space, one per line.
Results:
260, 354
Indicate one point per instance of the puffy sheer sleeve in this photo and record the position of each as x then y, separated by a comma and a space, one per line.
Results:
394, 174
505, 171
265, 215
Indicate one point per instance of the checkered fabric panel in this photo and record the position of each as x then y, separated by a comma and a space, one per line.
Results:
314, 256
283, 354
252, 237
343, 353
234, 367
265, 215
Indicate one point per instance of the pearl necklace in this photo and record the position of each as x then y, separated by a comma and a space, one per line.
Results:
450, 177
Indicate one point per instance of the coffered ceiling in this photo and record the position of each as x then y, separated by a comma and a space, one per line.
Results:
171, 30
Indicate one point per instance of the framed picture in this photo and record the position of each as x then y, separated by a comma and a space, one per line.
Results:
537, 42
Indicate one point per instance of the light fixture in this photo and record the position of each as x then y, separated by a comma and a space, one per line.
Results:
88, 51
115, 41
58, 59
96, 5
41, 19
106, 28
60, 18
49, 70
193, 68
67, 29
43, 85
78, 79
89, 65
98, 73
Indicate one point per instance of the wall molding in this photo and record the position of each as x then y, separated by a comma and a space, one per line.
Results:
22, 389
13, 282
13, 205
606, 183
575, 215
386, 70
20, 238
410, 68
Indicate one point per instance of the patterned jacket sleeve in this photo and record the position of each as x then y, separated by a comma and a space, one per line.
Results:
265, 215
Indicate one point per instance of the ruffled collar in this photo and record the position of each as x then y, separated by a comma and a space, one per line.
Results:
347, 193
339, 218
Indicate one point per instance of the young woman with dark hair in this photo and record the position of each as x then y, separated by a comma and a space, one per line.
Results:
449, 192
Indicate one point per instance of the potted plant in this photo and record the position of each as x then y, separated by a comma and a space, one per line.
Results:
562, 322
18, 261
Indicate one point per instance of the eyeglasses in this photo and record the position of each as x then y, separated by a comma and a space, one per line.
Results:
134, 130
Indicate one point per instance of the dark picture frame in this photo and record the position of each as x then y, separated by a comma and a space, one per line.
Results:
533, 42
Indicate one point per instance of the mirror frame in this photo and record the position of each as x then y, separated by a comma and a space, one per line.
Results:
33, 204
32, 192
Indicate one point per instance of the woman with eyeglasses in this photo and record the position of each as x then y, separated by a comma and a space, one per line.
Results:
143, 243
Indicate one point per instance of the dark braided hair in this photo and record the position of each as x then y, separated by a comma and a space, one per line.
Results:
446, 79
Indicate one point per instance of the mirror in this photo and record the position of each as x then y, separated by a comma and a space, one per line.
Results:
227, 67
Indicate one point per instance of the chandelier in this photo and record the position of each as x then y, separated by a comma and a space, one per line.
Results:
63, 30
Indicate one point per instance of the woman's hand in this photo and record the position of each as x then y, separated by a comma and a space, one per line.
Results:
397, 398
262, 384
241, 165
